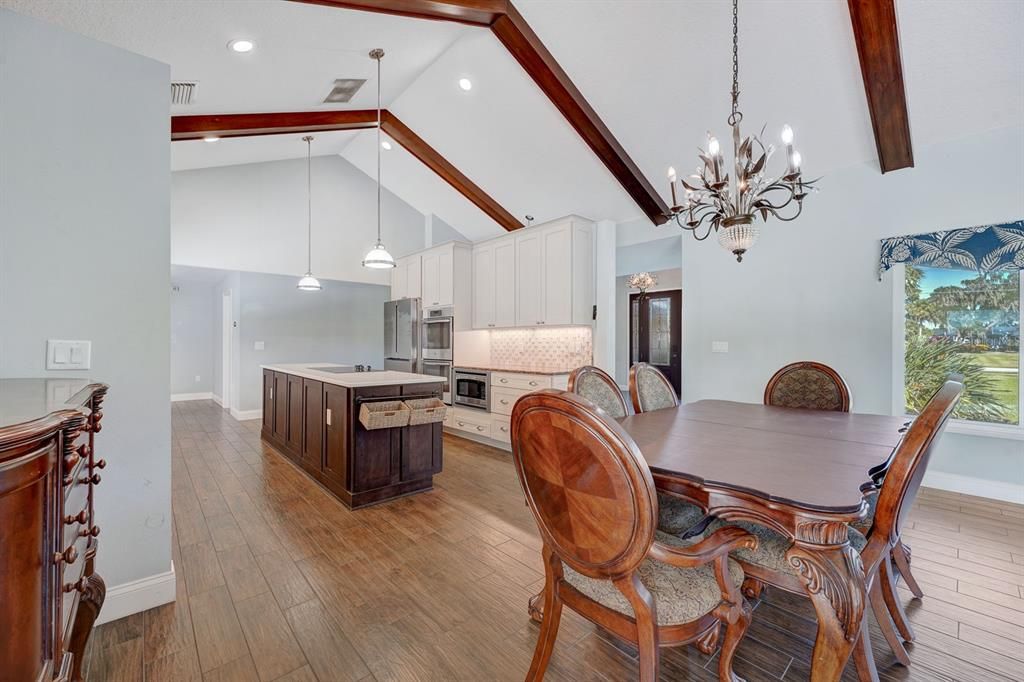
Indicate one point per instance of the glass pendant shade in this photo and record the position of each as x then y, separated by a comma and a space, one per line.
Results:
738, 235
378, 258
309, 283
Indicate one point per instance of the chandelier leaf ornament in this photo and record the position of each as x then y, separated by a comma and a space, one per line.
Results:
728, 205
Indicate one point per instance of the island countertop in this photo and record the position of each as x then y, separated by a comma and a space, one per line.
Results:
353, 379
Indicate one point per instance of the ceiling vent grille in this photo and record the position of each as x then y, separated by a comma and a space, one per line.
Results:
343, 90
183, 92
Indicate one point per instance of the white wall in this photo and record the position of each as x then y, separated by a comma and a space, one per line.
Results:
439, 232
343, 323
253, 218
84, 253
192, 347
810, 291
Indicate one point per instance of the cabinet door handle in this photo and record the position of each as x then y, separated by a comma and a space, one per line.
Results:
479, 428
328, 417
462, 423
504, 428
504, 402
271, 394
504, 381
533, 383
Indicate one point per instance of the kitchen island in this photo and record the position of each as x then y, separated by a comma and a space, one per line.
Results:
311, 415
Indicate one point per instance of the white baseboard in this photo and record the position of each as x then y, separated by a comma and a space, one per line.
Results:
181, 397
137, 596
217, 399
245, 415
980, 487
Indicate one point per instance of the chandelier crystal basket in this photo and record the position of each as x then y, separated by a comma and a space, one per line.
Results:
728, 205
642, 281
308, 282
378, 258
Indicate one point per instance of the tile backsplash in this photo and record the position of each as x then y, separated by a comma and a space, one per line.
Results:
546, 349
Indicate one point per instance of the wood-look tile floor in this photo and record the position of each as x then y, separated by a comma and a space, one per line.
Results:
278, 581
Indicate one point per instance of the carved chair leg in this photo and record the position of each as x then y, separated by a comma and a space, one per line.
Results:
646, 615
89, 606
734, 632
901, 555
885, 622
535, 607
863, 657
887, 578
752, 588
552, 615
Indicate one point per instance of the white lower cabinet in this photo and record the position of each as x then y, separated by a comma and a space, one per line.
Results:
501, 428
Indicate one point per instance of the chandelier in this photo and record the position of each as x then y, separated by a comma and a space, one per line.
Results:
308, 281
642, 281
714, 201
378, 257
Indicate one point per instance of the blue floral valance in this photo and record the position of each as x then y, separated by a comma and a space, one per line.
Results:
985, 248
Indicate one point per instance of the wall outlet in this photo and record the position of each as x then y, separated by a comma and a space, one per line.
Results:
61, 354
198, 378
719, 346
258, 345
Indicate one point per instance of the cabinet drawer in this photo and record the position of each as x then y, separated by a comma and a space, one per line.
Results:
479, 424
503, 399
501, 428
526, 382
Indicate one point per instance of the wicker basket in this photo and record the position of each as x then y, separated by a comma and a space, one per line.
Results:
426, 411
387, 414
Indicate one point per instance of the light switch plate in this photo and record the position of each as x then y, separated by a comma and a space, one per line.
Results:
719, 346
62, 354
258, 345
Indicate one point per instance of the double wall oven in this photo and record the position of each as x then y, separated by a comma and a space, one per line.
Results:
436, 352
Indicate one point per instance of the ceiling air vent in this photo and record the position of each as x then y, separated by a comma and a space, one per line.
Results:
183, 92
343, 90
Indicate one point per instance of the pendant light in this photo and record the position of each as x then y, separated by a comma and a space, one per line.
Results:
308, 281
378, 257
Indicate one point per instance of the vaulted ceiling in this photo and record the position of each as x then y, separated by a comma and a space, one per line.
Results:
657, 73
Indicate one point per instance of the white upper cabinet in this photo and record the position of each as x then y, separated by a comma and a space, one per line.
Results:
431, 278
505, 283
536, 276
413, 266
405, 278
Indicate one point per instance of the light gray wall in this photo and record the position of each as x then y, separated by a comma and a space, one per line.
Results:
343, 323
84, 254
667, 279
659, 254
253, 218
809, 290
439, 232
192, 344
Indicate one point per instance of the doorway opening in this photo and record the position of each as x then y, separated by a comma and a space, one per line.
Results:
656, 332
227, 323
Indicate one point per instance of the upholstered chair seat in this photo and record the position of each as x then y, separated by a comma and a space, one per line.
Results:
772, 546
809, 386
676, 516
864, 525
682, 594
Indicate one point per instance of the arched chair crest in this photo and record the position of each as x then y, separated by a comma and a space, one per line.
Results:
808, 385
650, 389
597, 386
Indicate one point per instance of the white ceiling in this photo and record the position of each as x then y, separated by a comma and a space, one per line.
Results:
656, 71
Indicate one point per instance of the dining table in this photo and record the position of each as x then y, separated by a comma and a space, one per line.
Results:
800, 472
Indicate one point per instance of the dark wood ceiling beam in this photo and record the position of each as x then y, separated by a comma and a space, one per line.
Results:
512, 30
244, 125
878, 46
415, 145
293, 122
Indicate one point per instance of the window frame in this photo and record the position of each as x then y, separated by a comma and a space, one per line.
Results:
964, 426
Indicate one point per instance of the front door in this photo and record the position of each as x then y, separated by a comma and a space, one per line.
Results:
656, 332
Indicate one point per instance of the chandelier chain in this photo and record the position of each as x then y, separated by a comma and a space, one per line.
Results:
379, 56
736, 115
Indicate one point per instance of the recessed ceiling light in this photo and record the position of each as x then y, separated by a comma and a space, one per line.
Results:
210, 138
465, 84
386, 145
241, 45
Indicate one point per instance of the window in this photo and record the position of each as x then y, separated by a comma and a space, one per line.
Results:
959, 321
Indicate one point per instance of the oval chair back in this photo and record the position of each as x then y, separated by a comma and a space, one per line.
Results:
650, 389
808, 385
594, 384
910, 461
586, 483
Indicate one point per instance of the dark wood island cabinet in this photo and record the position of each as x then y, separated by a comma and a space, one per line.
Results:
315, 423
49, 593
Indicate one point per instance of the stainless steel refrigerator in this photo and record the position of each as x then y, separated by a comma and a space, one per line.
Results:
402, 335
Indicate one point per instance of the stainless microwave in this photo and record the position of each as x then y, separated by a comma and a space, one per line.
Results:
472, 388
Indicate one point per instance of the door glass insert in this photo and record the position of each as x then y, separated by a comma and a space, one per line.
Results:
634, 317
659, 314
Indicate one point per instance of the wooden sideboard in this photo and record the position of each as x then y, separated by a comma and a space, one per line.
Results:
50, 594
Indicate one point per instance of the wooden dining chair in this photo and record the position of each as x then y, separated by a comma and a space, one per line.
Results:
808, 385
593, 498
675, 514
767, 563
649, 389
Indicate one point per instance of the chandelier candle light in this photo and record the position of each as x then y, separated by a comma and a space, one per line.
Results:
729, 206
378, 258
308, 281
